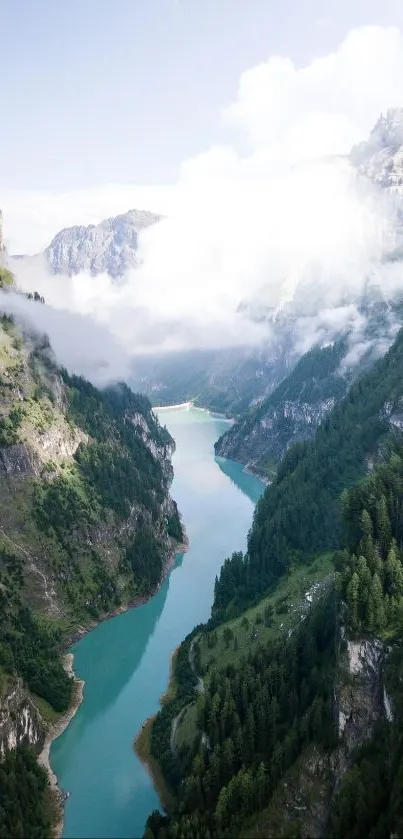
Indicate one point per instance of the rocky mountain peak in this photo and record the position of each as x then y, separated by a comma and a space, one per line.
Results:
109, 247
380, 158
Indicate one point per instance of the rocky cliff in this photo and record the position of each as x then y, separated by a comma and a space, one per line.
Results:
380, 158
20, 720
291, 413
106, 248
54, 432
87, 526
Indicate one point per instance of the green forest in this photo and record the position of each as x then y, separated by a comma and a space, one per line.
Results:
112, 477
26, 809
261, 713
255, 718
109, 478
299, 514
30, 649
29, 645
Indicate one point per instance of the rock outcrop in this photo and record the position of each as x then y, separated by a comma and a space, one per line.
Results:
20, 721
106, 248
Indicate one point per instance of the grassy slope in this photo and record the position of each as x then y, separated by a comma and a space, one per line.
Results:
287, 602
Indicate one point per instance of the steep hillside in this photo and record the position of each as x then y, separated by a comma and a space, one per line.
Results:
234, 380
352, 439
283, 718
82, 474
87, 525
226, 381
299, 404
380, 158
291, 413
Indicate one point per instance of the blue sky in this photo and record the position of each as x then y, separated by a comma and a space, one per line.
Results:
124, 90
101, 95
231, 118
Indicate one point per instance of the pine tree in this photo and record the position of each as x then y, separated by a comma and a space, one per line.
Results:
394, 572
352, 600
376, 617
384, 533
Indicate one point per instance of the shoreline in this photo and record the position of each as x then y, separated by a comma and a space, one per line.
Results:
140, 600
177, 407
185, 405
249, 470
142, 743
141, 747
54, 731
57, 728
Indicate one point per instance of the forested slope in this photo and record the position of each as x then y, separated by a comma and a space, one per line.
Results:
291, 413
299, 515
296, 730
87, 524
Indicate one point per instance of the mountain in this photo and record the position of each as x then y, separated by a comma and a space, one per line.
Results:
87, 526
109, 247
292, 412
227, 380
380, 158
298, 405
296, 408
235, 380
286, 706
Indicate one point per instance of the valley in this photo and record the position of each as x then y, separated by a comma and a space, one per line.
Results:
125, 661
201, 559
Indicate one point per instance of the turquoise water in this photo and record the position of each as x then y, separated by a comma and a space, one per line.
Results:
125, 661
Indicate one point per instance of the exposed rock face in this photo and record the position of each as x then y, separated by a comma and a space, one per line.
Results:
18, 461
162, 452
306, 793
291, 413
109, 247
380, 158
271, 436
20, 722
360, 695
44, 437
58, 443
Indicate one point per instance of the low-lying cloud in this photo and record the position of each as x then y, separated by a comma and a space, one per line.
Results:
78, 342
288, 225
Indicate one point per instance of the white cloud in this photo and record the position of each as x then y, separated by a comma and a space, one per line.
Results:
79, 344
275, 225
326, 106
33, 217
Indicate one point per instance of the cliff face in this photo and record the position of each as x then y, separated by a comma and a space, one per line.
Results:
56, 435
87, 522
110, 247
318, 381
306, 794
20, 721
291, 413
380, 158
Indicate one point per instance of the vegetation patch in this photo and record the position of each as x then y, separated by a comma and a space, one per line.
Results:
279, 613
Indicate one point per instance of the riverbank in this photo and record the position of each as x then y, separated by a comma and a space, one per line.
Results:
142, 743
187, 405
81, 631
256, 473
119, 697
178, 407
56, 729
142, 748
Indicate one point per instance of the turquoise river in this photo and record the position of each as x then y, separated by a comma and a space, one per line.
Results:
125, 660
